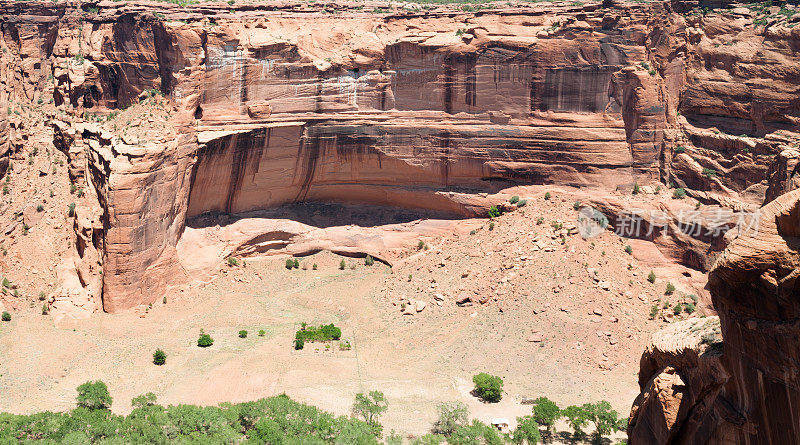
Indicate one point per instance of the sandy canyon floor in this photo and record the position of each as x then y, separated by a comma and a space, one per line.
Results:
567, 321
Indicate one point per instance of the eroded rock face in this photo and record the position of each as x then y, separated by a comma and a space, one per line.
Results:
746, 394
282, 103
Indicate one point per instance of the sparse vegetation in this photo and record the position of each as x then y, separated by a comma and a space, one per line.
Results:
451, 416
323, 333
369, 261
576, 205
342, 265
243, 334
6, 316
494, 212
94, 396
690, 308
514, 199
488, 387
636, 189
369, 408
71, 209
628, 249
232, 261
670, 289
547, 196
522, 203
651, 277
262, 332
678, 193
654, 312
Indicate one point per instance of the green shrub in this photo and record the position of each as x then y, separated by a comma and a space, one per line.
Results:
73, 188
670, 289
522, 203
540, 221
39, 208
94, 395
262, 333
159, 357
680, 149
694, 298
577, 418
628, 249
322, 333
547, 196
488, 387
369, 261
299, 343
654, 312
296, 263
491, 225
314, 266
677, 309
451, 416
45, 309
605, 419
472, 232
494, 212
678, 193
690, 308
205, 341
242, 334
576, 205
342, 265
636, 189
289, 263
651, 277
709, 173
71, 209
514, 199
6, 316
232, 262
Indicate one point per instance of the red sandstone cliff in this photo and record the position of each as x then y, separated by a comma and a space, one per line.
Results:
279, 103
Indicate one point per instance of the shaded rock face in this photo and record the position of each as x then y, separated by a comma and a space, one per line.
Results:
281, 103
748, 393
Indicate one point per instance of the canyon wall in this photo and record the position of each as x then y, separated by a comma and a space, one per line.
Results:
742, 387
275, 103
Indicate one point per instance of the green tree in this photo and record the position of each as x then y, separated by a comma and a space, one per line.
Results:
94, 395
578, 418
527, 431
488, 387
369, 407
475, 434
143, 400
452, 415
546, 413
605, 419
159, 357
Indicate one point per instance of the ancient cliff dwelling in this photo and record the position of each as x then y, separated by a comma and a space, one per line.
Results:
363, 222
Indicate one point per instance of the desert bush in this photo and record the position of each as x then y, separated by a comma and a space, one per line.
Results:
296, 263
628, 249
71, 209
690, 308
342, 265
476, 433
94, 395
522, 203
547, 196
314, 266
451, 416
488, 387
677, 309
651, 277
514, 199
491, 225
369, 261
680, 149
299, 344
709, 172
670, 289
289, 263
262, 333
494, 212
679, 193
576, 205
39, 208
472, 232
540, 221
159, 357
605, 419
654, 312
242, 334
232, 261
636, 189
45, 309
205, 341
143, 400
6, 316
